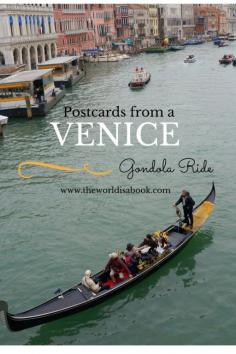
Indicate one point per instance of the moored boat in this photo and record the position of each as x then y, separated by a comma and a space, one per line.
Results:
28, 94
157, 50
79, 297
175, 48
194, 41
65, 70
140, 79
3, 123
190, 59
227, 59
232, 37
108, 58
222, 44
234, 62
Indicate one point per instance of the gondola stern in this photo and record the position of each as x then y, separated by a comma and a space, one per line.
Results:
212, 195
4, 313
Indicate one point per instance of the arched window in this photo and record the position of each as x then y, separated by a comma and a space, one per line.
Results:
30, 23
26, 23
11, 25
49, 24
42, 26
2, 59
20, 24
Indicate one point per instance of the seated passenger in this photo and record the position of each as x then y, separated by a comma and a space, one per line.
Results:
135, 252
150, 242
90, 284
117, 267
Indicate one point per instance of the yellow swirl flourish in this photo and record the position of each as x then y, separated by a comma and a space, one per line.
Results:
53, 166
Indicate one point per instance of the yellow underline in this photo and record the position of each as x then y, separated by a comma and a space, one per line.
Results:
84, 168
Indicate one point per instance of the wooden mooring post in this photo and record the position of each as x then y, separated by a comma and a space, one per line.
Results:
28, 107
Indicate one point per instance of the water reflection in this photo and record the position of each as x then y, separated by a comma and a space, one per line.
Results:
183, 263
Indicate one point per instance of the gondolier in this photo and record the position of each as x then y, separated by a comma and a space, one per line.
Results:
188, 203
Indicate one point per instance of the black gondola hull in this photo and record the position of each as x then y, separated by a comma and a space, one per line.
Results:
22, 321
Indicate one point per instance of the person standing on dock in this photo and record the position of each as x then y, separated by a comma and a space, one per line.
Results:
188, 203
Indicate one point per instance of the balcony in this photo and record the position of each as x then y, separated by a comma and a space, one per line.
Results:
78, 31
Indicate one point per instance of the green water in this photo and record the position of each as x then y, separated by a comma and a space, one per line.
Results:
48, 239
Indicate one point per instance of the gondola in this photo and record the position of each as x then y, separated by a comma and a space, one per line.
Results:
79, 298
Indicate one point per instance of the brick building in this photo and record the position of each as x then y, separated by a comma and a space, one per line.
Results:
74, 28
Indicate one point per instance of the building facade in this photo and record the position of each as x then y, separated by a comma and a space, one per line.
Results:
171, 21
122, 22
230, 10
140, 24
153, 20
27, 34
187, 18
103, 19
210, 19
74, 28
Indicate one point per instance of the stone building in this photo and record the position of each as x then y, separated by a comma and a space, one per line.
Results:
27, 34
140, 24
122, 22
210, 19
188, 25
230, 10
170, 21
74, 28
104, 24
153, 20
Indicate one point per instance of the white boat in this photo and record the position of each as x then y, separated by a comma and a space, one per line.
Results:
190, 59
140, 79
123, 56
107, 58
3, 120
232, 37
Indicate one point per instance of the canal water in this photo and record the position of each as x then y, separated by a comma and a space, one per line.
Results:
49, 238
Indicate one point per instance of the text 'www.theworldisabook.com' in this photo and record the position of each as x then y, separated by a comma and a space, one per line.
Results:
115, 190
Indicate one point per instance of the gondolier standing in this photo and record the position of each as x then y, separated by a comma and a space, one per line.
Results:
188, 203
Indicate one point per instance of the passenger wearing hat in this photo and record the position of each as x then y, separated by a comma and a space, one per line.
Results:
90, 284
116, 267
188, 203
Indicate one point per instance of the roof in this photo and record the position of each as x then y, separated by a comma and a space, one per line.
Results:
9, 69
59, 60
25, 76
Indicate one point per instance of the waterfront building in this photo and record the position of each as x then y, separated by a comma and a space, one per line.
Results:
187, 18
153, 20
230, 10
104, 24
210, 19
74, 28
140, 24
122, 22
170, 21
27, 34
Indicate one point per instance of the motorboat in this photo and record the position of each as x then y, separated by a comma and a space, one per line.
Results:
222, 44
140, 79
190, 59
227, 59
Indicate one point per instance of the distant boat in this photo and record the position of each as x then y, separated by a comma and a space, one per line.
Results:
222, 44
227, 59
175, 48
190, 59
140, 79
232, 37
194, 41
157, 50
